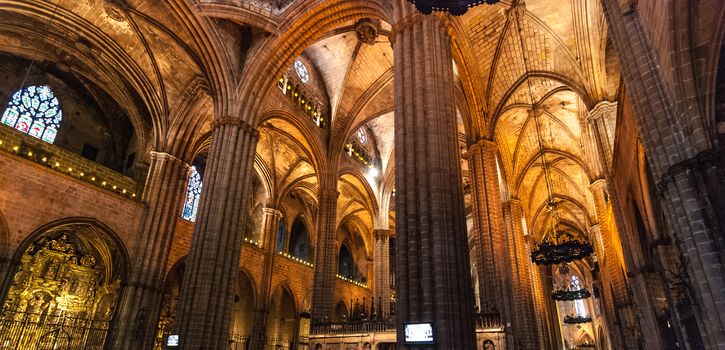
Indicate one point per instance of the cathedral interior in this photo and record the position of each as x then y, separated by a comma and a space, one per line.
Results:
362, 174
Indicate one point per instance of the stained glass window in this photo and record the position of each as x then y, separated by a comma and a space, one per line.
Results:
35, 111
581, 310
302, 71
193, 192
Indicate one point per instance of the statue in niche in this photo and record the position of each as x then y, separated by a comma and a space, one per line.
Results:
488, 345
37, 307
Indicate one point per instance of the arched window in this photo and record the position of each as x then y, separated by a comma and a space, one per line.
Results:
299, 243
193, 192
346, 264
35, 111
280, 236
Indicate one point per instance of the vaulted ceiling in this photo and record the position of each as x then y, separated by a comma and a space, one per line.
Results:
156, 57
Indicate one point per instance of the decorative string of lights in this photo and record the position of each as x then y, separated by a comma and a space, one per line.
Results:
577, 319
455, 7
571, 295
252, 242
359, 284
560, 244
295, 259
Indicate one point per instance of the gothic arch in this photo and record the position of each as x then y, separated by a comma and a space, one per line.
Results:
73, 268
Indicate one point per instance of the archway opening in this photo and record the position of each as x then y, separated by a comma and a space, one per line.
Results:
281, 320
243, 311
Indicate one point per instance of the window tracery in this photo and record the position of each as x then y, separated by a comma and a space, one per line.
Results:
302, 72
34, 110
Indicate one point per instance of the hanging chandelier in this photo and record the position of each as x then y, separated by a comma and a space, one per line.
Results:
561, 246
571, 295
455, 7
577, 319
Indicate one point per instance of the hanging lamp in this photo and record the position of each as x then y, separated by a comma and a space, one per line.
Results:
571, 295
577, 319
454, 7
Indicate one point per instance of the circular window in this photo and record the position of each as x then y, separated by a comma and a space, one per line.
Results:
362, 136
302, 71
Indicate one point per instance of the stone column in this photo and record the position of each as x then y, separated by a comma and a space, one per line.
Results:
139, 308
489, 241
270, 225
381, 271
524, 317
678, 149
325, 257
432, 262
207, 292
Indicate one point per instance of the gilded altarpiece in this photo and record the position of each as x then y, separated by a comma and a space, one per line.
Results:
62, 296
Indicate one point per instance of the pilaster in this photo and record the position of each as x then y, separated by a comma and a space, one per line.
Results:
270, 225
381, 274
141, 301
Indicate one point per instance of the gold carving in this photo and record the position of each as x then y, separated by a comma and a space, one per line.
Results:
57, 286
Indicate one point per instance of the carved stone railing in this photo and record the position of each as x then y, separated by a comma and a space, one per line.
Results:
489, 321
353, 327
239, 342
39, 331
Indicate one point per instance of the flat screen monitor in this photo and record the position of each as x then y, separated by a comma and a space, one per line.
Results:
172, 340
419, 333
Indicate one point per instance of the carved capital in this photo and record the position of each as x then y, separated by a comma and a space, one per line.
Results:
157, 156
272, 212
601, 109
324, 193
380, 234
237, 122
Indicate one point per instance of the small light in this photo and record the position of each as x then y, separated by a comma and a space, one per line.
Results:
124, 191
114, 187
30, 154
93, 178
133, 195
70, 169
16, 148
295, 94
103, 183
82, 174
45, 159
57, 164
